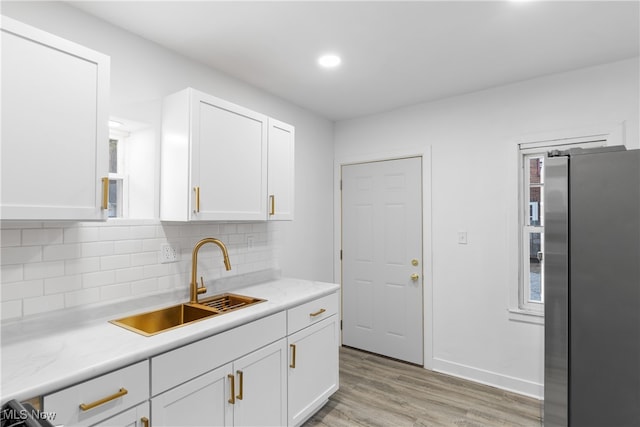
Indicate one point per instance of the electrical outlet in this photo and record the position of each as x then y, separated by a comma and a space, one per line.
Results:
250, 242
168, 253
462, 237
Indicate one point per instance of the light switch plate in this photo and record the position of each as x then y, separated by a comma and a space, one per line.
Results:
462, 237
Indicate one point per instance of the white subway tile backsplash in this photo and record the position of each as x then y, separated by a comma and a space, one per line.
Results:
82, 265
11, 309
59, 252
145, 258
129, 274
90, 249
146, 286
114, 262
114, 233
20, 254
40, 270
21, 290
80, 234
58, 285
81, 297
11, 273
49, 266
127, 246
41, 236
100, 278
42, 304
10, 238
119, 291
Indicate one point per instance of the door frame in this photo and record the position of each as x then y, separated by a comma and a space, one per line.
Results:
427, 256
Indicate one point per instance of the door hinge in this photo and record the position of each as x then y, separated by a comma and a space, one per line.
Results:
340, 185
340, 254
341, 325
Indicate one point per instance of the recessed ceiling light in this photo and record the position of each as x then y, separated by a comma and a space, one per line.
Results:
329, 61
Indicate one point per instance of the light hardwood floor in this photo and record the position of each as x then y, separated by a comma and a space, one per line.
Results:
378, 391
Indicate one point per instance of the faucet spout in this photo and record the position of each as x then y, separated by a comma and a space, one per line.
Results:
195, 290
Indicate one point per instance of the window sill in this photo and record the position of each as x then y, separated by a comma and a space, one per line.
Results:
519, 315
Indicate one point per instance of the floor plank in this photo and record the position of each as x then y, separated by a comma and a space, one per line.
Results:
378, 391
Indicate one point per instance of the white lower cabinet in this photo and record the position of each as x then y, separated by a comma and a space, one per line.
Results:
313, 357
250, 391
275, 371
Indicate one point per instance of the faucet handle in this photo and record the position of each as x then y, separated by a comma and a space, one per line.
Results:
202, 289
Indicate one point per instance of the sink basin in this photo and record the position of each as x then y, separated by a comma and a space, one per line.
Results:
154, 322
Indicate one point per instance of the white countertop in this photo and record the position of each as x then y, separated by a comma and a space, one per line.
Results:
58, 353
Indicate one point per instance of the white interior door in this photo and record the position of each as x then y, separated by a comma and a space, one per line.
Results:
382, 258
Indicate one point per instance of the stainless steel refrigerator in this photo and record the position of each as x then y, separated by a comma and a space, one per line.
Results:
592, 288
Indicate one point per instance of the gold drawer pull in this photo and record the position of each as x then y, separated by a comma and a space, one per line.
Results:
317, 313
272, 199
87, 406
293, 356
197, 190
105, 193
239, 396
232, 378
145, 421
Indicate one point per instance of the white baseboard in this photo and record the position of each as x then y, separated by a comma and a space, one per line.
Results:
505, 382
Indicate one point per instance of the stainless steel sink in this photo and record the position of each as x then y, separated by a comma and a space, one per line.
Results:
157, 321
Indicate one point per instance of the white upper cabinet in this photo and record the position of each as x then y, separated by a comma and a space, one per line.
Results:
214, 161
55, 96
281, 170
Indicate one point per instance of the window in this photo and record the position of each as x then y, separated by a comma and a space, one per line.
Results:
117, 179
531, 218
533, 231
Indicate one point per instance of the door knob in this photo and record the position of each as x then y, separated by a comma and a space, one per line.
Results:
415, 276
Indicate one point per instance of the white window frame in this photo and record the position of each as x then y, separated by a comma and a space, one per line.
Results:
120, 177
527, 151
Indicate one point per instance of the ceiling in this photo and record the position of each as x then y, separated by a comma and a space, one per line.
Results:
394, 53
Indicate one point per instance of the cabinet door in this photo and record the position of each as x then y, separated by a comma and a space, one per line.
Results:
134, 417
229, 161
281, 170
261, 387
203, 401
54, 126
313, 369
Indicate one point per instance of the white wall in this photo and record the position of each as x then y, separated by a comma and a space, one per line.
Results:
142, 73
472, 141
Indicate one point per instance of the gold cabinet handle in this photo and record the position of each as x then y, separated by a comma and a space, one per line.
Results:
197, 190
105, 193
87, 406
272, 201
145, 421
293, 356
317, 313
232, 378
415, 276
240, 378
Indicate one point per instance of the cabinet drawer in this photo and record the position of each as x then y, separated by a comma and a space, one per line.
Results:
180, 365
108, 389
314, 311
